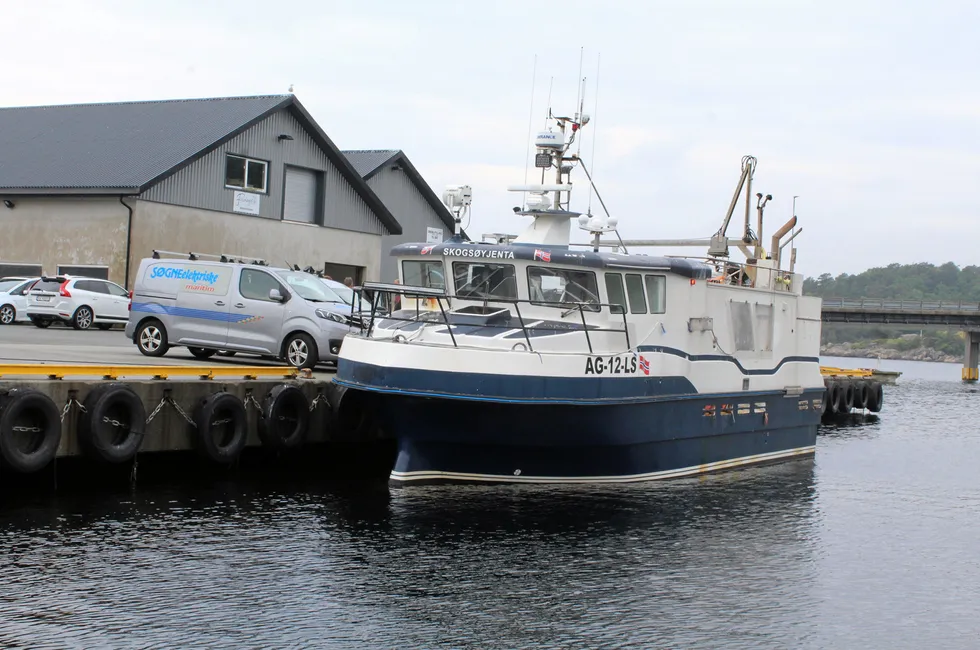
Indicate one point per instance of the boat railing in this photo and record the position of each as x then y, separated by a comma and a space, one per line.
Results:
377, 293
742, 275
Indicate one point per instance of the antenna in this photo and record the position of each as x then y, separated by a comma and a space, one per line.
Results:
530, 121
595, 111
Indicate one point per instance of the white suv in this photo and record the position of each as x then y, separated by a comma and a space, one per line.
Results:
82, 302
13, 299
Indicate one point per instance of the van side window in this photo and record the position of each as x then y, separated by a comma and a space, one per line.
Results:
256, 285
657, 293
614, 290
634, 289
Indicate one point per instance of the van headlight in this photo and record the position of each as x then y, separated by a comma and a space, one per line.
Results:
329, 315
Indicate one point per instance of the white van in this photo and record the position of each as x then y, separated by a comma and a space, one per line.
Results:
210, 306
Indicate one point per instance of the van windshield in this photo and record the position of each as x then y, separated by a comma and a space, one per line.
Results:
309, 287
347, 295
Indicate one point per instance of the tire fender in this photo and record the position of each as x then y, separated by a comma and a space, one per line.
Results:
222, 427
876, 397
29, 451
111, 428
847, 398
862, 395
833, 397
285, 417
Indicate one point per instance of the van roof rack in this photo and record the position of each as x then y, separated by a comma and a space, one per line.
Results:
223, 257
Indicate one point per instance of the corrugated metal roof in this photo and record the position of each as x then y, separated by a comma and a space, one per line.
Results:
366, 161
124, 145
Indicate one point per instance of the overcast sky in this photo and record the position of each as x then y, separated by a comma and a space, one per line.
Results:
868, 111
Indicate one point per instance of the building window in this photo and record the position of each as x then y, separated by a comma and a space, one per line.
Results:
246, 173
490, 281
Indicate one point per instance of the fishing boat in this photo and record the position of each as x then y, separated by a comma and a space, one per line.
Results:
533, 359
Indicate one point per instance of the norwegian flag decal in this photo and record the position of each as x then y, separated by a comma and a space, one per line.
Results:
644, 365
544, 256
427, 250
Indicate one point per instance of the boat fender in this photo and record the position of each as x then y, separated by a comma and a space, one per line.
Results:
847, 398
285, 417
30, 430
222, 427
876, 397
862, 393
111, 427
833, 397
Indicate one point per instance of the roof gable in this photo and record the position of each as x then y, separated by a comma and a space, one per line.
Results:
116, 146
370, 162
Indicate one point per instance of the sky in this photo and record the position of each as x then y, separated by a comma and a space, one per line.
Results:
868, 111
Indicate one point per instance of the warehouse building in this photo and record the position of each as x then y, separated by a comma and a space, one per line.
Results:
92, 189
400, 186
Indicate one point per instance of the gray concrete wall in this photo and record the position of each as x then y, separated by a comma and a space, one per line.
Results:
65, 230
174, 228
413, 212
202, 183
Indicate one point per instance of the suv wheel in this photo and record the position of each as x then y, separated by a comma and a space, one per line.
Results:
7, 315
151, 338
82, 320
300, 351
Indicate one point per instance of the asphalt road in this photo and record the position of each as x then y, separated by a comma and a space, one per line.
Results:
57, 344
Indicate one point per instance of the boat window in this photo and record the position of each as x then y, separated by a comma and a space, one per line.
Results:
549, 285
634, 289
417, 273
478, 280
657, 293
615, 295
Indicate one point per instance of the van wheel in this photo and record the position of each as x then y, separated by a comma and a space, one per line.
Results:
201, 353
301, 351
151, 338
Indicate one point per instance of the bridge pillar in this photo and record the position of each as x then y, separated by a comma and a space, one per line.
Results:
972, 356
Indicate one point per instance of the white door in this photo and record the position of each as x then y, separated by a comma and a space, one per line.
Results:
301, 193
118, 301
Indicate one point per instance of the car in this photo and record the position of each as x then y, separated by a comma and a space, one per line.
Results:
78, 301
225, 306
13, 299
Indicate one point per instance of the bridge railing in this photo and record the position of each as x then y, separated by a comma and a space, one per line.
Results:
901, 305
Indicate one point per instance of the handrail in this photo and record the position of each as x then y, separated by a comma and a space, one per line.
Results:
444, 316
901, 305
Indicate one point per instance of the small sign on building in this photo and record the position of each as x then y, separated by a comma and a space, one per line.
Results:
433, 235
246, 202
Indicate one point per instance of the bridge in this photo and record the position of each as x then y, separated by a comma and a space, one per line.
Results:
965, 315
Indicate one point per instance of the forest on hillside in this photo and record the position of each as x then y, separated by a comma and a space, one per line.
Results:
898, 282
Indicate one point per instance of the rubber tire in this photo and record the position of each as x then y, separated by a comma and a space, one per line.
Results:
12, 405
833, 397
11, 313
876, 397
313, 356
95, 436
43, 324
847, 398
164, 341
201, 353
277, 405
862, 394
91, 320
223, 405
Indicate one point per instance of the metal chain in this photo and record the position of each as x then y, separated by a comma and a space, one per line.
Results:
115, 423
316, 402
250, 399
27, 429
170, 400
68, 404
156, 411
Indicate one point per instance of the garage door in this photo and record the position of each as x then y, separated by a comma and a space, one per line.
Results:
300, 203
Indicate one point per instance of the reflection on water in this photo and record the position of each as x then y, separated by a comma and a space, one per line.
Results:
869, 545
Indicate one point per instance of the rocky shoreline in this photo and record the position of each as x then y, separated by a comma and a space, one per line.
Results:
874, 351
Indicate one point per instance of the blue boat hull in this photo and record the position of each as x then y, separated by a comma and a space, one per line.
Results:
460, 440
